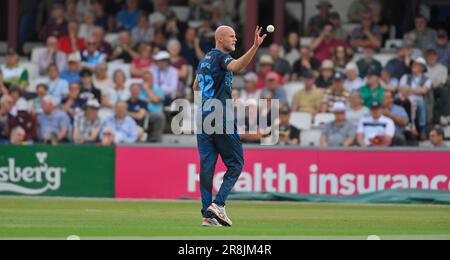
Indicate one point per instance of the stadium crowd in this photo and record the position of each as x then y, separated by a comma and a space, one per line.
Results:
83, 100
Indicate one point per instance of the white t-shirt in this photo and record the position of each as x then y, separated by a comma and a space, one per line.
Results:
372, 128
354, 85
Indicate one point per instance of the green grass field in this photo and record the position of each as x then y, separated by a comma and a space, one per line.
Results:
38, 218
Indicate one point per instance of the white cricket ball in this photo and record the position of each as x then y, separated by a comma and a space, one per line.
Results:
270, 28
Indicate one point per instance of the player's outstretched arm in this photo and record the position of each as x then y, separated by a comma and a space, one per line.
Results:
237, 66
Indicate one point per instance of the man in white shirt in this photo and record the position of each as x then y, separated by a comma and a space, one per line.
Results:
165, 76
376, 130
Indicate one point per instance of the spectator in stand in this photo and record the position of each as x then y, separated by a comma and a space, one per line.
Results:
376, 130
101, 18
56, 26
57, 87
291, 50
437, 138
280, 65
337, 93
353, 81
18, 136
388, 82
87, 28
165, 76
91, 56
356, 110
71, 43
137, 108
275, 89
102, 45
6, 104
251, 90
143, 63
325, 79
25, 120
101, 79
36, 103
52, 56
367, 35
422, 35
3, 89
118, 93
72, 73
142, 33
128, 18
398, 115
339, 32
368, 61
86, 128
191, 50
357, 10
306, 63
325, 44
73, 104
54, 123
340, 132
83, 7
412, 51
317, 22
71, 10
289, 134
399, 66
310, 98
341, 57
438, 74
373, 91
13, 73
123, 126
179, 63
442, 47
124, 51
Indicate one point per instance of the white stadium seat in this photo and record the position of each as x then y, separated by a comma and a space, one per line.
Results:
113, 66
391, 44
306, 41
133, 81
35, 82
112, 38
350, 27
36, 53
105, 113
384, 58
310, 138
323, 118
30, 46
33, 70
302, 121
292, 88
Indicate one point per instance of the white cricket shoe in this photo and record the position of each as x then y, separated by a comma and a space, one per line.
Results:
220, 215
210, 222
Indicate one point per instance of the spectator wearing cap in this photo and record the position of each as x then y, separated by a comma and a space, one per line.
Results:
72, 73
57, 87
356, 109
17, 136
56, 26
124, 127
309, 99
36, 103
324, 45
91, 57
442, 47
438, 74
71, 43
13, 73
339, 32
280, 65
137, 108
399, 66
54, 123
144, 62
372, 91
118, 93
86, 128
325, 79
340, 132
52, 55
289, 134
437, 138
251, 90
128, 18
272, 86
25, 120
376, 130
317, 22
265, 67
306, 63
422, 35
367, 35
368, 61
398, 115
165, 76
142, 33
353, 81
88, 89
417, 86
101, 79
73, 104
337, 93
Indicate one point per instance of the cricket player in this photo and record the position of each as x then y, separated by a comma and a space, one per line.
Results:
214, 82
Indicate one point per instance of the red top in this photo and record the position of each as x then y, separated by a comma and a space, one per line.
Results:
66, 47
262, 80
325, 50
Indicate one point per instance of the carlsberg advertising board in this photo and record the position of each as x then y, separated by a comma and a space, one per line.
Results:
72, 171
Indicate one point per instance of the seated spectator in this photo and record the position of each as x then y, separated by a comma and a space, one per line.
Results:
398, 115
72, 73
102, 45
54, 123
353, 81
83, 7
142, 33
357, 10
341, 57
356, 110
412, 51
73, 104
373, 91
368, 61
306, 63
101, 79
128, 18
289, 134
118, 93
251, 90
422, 35
275, 89
317, 22
137, 108
3, 89
17, 95
417, 86
52, 56
340, 132
144, 63
154, 96
388, 82
18, 136
101, 18
57, 87
442, 47
71, 10
337, 93
339, 32
87, 28
437, 138
91, 56
6, 104
86, 128
265, 67
367, 35
25, 120
325, 44
280, 65
124, 51
179, 63
291, 50
250, 132
123, 126
438, 74
108, 137
191, 49
71, 43
41, 92
325, 79
376, 130
165, 76
399, 66
13, 73
56, 25
309, 99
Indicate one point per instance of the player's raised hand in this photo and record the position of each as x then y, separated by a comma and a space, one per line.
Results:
258, 38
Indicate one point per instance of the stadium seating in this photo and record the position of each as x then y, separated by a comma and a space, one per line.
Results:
113, 66
306, 41
323, 118
302, 121
310, 138
292, 88
36, 53
105, 113
33, 70
391, 44
29, 47
182, 12
112, 38
33, 83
